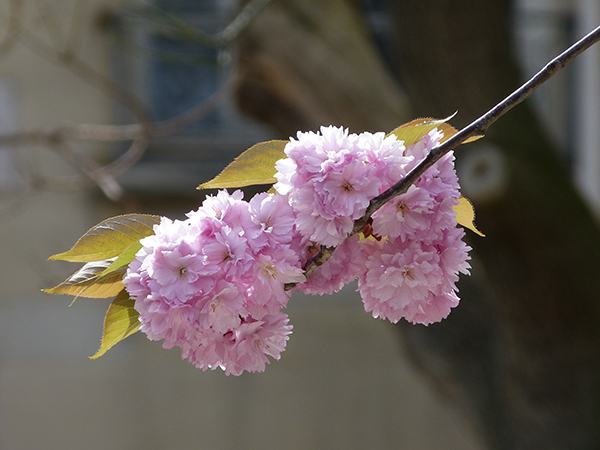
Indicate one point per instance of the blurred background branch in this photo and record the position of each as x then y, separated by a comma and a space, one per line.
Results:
60, 47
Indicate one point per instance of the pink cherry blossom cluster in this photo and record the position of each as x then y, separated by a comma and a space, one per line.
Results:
214, 284
407, 261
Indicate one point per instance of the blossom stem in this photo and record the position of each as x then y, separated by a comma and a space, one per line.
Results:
476, 128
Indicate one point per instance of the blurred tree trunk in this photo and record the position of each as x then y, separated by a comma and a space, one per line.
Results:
521, 354
310, 63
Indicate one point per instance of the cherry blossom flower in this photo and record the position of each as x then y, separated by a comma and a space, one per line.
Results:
329, 179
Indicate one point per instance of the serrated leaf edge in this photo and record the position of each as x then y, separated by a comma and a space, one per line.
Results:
133, 328
240, 161
94, 231
95, 278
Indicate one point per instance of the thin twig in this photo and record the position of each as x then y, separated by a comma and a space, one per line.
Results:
63, 50
119, 133
103, 83
104, 176
476, 128
171, 25
104, 180
61, 54
241, 22
159, 129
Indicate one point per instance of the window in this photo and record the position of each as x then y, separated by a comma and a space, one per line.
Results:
542, 30
173, 71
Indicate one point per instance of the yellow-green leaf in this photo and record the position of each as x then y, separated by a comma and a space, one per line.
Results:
465, 215
473, 138
412, 131
255, 166
124, 258
88, 282
110, 238
121, 321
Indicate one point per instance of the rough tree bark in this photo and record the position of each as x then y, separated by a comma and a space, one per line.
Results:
521, 354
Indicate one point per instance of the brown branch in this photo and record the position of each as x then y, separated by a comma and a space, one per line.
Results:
476, 128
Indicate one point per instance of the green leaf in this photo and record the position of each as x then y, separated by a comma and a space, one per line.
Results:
412, 131
121, 321
88, 282
465, 215
255, 166
124, 258
110, 238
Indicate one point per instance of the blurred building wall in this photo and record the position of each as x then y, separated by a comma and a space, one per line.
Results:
343, 382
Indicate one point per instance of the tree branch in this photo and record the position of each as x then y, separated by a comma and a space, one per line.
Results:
476, 128
119, 133
93, 172
174, 26
242, 21
62, 52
